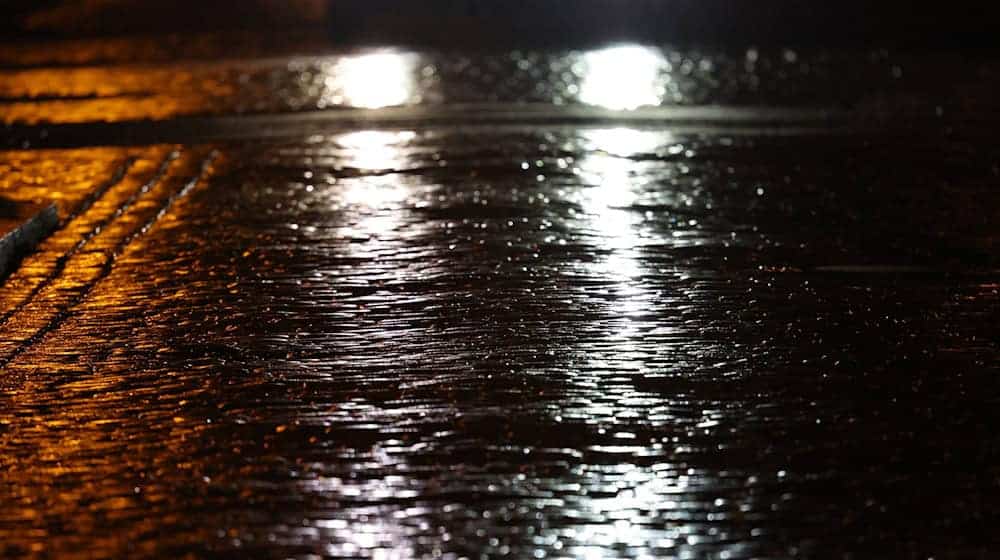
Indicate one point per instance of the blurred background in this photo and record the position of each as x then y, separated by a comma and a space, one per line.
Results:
467, 22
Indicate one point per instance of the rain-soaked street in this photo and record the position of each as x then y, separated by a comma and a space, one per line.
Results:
612, 301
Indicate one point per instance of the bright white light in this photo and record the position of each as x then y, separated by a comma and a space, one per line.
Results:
374, 80
623, 77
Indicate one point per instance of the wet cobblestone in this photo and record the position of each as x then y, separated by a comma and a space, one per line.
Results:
528, 340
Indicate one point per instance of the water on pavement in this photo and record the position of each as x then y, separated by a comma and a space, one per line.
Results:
505, 340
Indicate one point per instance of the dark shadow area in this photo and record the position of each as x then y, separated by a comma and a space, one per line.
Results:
482, 23
767, 22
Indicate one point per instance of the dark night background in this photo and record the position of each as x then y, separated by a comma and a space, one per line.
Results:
555, 22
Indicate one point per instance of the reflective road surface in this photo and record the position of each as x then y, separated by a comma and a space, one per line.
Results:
565, 338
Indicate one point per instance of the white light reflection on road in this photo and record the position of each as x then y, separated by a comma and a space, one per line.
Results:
610, 182
614, 182
374, 200
623, 77
374, 150
612, 176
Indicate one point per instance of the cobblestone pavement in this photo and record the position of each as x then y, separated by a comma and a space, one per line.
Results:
394, 303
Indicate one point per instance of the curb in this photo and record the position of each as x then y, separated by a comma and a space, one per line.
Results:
22, 227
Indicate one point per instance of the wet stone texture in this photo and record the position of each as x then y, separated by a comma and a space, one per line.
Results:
527, 341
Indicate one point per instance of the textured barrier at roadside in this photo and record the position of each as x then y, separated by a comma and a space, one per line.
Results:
22, 226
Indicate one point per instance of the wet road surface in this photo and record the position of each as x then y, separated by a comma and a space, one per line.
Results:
571, 338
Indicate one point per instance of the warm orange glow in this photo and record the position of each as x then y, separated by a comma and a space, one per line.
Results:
109, 93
